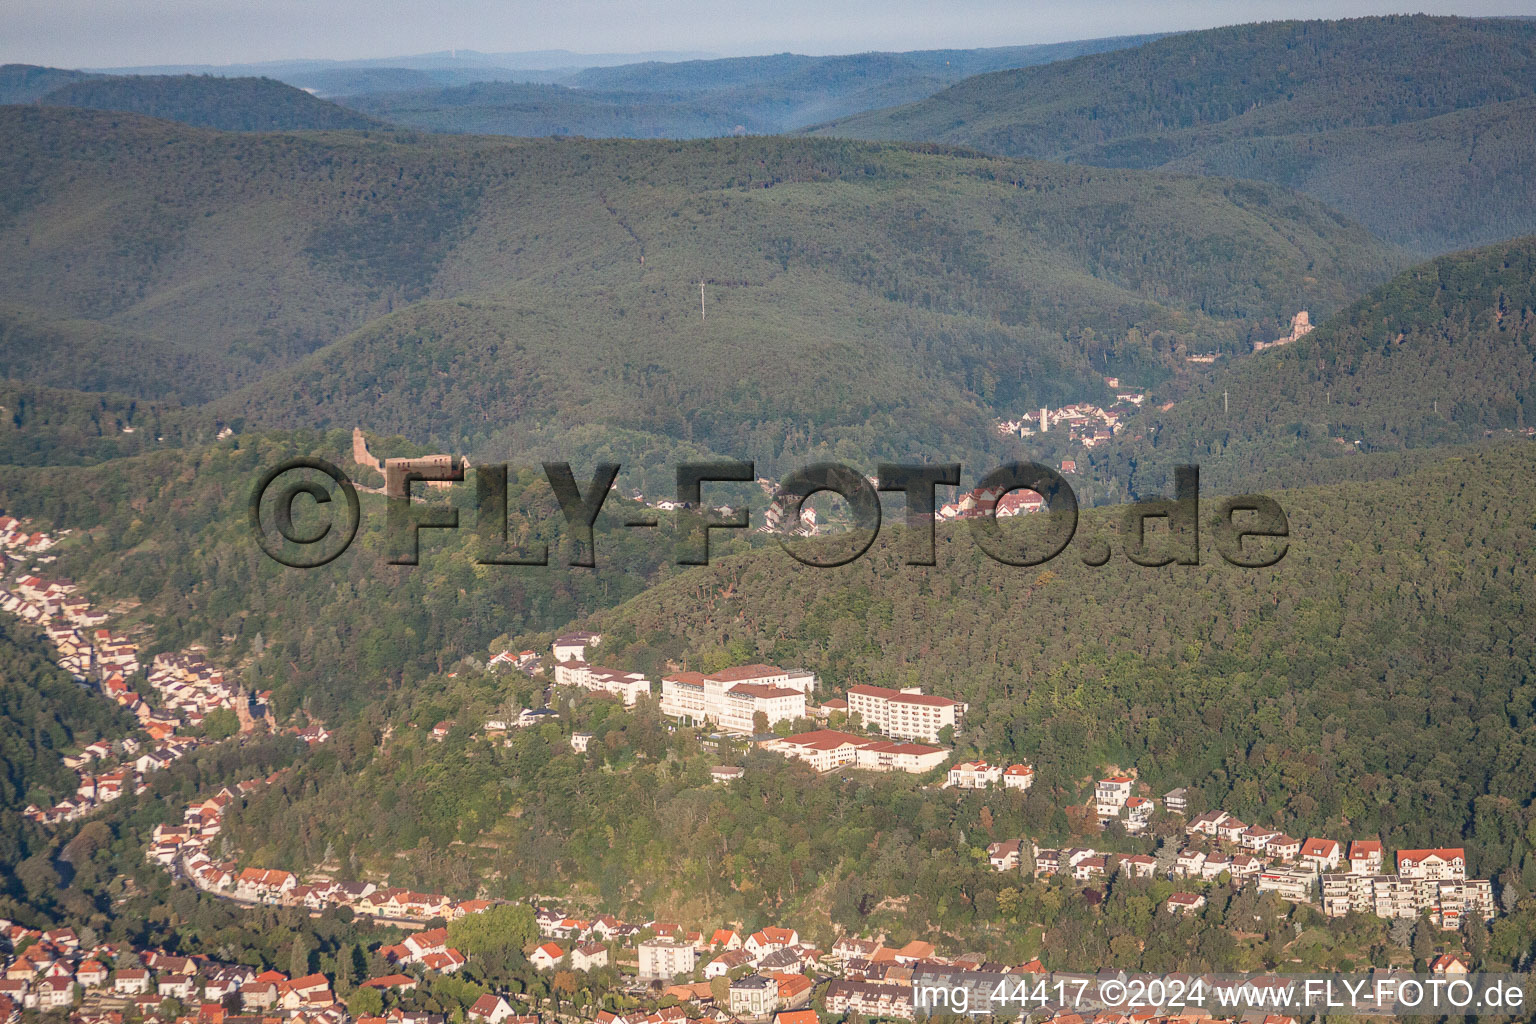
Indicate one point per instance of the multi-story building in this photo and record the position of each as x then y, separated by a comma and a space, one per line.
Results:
1345, 893
1446, 863
731, 699
628, 686
887, 756
883, 1002
905, 714
573, 646
1293, 885
1176, 800
828, 749
1459, 900
754, 996
665, 958
1109, 795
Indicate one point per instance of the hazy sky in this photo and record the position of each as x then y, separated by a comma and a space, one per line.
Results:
99, 33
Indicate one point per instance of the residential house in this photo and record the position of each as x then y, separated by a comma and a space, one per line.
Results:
1185, 903
1005, 856
1446, 863
770, 940
489, 1009
1138, 814
1110, 795
1139, 865
1321, 855
546, 956
1018, 776
1189, 862
1207, 823
973, 775
1285, 847
589, 956
727, 962
1366, 857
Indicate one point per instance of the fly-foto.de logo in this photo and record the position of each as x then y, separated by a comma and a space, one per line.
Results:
1250, 530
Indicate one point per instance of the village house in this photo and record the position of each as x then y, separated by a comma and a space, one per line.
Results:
1321, 855
1004, 856
973, 775
546, 956
1018, 776
489, 1009
1176, 800
589, 956
1185, 903
1366, 857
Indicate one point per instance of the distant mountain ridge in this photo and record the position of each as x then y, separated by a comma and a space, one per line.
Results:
689, 99
1323, 105
228, 104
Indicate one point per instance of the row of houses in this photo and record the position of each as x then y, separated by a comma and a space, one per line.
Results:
828, 750
55, 971
97, 657
983, 775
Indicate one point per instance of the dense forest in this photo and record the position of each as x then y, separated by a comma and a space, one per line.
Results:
517, 299
209, 101
1445, 353
43, 713
169, 530
1322, 106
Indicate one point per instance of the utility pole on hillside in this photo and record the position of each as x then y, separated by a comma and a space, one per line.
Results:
1224, 406
701, 300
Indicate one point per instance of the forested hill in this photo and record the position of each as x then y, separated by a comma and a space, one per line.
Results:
520, 298
1313, 104
1445, 353
1382, 672
230, 104
24, 83
1377, 682
43, 713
